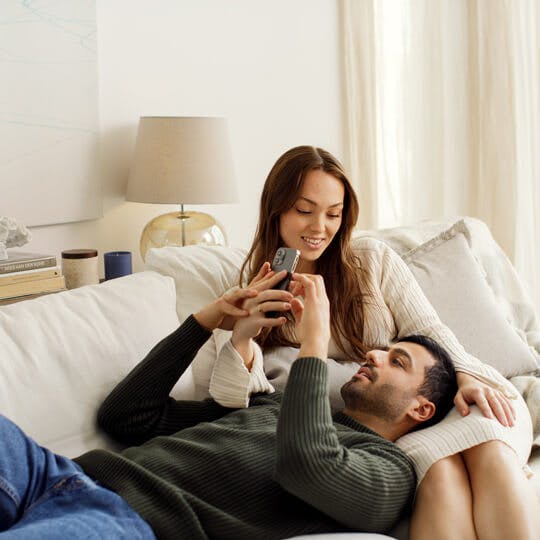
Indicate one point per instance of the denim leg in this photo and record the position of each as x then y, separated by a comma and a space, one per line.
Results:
77, 507
44, 496
26, 471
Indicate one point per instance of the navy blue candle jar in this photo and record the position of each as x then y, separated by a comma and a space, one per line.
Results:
117, 264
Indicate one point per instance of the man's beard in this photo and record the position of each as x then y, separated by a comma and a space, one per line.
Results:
384, 401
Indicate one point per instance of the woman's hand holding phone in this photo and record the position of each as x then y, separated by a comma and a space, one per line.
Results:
284, 259
224, 311
267, 299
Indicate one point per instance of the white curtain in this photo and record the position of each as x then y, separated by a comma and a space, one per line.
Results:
442, 116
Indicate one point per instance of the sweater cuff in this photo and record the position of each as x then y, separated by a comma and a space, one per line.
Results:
310, 367
231, 384
257, 377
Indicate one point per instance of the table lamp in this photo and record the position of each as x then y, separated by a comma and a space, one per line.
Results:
182, 160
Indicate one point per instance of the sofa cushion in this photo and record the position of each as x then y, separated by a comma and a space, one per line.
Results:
452, 280
201, 274
63, 353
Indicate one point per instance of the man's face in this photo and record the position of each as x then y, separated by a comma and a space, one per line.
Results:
386, 384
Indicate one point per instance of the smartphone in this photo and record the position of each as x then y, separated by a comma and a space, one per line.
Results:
284, 259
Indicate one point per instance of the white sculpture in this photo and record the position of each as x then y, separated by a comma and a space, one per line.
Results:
12, 234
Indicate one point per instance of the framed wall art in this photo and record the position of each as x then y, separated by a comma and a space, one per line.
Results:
49, 111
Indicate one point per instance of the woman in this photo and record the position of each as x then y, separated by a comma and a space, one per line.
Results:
470, 466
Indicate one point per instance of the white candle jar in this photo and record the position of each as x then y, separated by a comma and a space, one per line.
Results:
80, 267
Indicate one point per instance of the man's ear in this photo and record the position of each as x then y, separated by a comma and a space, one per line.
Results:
423, 410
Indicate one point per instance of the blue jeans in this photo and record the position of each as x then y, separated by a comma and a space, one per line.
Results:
45, 496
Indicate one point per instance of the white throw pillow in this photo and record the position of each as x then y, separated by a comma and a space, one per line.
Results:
61, 354
453, 282
201, 274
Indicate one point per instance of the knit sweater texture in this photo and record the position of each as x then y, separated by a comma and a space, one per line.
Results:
279, 468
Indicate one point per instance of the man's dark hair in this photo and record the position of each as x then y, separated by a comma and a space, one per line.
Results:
440, 385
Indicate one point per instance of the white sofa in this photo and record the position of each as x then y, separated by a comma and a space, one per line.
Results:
61, 354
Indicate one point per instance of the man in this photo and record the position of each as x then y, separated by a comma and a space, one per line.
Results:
279, 468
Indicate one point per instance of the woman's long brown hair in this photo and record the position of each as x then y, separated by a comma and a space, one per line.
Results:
340, 268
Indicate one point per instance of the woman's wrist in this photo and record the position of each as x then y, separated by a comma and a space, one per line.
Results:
244, 347
463, 378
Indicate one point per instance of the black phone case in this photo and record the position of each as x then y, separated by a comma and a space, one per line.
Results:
284, 259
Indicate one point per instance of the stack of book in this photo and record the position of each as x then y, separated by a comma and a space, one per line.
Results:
27, 275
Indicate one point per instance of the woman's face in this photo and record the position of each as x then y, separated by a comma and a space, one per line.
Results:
314, 219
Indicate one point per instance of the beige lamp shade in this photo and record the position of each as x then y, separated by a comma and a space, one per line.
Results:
182, 160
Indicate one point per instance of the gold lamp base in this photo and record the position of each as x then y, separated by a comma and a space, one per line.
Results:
182, 229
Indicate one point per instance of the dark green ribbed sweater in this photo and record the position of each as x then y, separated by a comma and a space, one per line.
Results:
279, 468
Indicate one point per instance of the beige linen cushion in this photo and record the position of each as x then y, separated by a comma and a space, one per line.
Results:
452, 280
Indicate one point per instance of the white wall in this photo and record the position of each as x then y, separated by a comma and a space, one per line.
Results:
270, 67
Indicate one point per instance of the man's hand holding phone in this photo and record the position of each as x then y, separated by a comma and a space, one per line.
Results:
312, 316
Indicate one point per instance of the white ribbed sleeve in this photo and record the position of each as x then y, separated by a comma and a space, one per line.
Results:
231, 384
